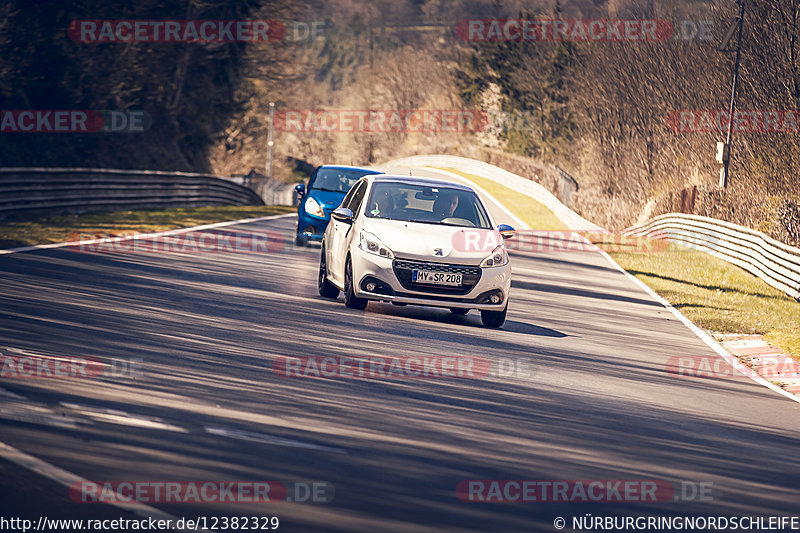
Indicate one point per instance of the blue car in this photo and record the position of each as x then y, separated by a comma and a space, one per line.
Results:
326, 189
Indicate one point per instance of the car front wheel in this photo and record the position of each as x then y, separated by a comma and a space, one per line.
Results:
350, 299
493, 319
326, 288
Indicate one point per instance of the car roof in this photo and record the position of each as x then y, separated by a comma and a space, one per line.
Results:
419, 180
348, 167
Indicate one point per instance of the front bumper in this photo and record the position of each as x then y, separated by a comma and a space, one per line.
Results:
369, 267
311, 228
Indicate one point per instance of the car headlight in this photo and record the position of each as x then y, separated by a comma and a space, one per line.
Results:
498, 257
370, 243
312, 207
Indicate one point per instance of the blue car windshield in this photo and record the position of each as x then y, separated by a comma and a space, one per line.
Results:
336, 180
427, 205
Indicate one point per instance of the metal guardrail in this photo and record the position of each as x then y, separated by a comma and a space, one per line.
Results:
32, 191
272, 191
774, 262
567, 185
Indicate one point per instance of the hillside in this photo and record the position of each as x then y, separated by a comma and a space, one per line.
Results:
632, 120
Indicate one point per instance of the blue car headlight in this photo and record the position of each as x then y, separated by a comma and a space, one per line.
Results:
313, 207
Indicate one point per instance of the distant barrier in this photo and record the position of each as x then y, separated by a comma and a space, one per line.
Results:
34, 191
518, 183
774, 262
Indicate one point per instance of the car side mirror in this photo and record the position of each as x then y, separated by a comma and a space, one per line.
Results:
300, 189
506, 231
342, 214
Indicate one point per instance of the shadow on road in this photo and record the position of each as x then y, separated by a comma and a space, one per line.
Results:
597, 404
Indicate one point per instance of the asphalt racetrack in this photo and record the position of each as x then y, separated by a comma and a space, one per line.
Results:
578, 387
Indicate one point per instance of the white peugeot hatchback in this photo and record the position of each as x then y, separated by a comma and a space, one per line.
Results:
419, 241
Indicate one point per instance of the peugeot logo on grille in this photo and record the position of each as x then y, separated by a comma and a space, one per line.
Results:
438, 251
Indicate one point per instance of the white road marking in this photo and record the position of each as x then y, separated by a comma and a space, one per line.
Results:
34, 413
268, 439
112, 416
67, 479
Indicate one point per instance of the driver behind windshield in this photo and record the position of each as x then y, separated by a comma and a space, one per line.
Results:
327, 182
445, 205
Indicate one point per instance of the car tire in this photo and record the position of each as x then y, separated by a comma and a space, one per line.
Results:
493, 319
460, 311
350, 299
299, 241
325, 287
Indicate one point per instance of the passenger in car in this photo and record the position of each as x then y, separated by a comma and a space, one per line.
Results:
384, 206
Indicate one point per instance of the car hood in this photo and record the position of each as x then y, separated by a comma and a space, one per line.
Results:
414, 240
329, 200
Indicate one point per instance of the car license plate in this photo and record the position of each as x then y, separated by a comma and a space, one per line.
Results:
436, 278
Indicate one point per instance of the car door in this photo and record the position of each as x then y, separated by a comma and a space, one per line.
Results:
341, 232
330, 239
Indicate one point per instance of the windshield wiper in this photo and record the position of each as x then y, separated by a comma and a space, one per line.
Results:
440, 223
425, 221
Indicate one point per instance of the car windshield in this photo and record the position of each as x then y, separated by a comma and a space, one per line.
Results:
336, 180
427, 204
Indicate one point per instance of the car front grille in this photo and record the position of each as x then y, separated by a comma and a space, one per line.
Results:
403, 270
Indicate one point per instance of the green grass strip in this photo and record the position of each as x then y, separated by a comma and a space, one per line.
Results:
61, 228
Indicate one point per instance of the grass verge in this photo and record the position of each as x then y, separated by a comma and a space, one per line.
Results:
717, 295
712, 293
58, 228
533, 213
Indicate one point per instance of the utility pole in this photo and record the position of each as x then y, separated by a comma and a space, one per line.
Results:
269, 138
726, 152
